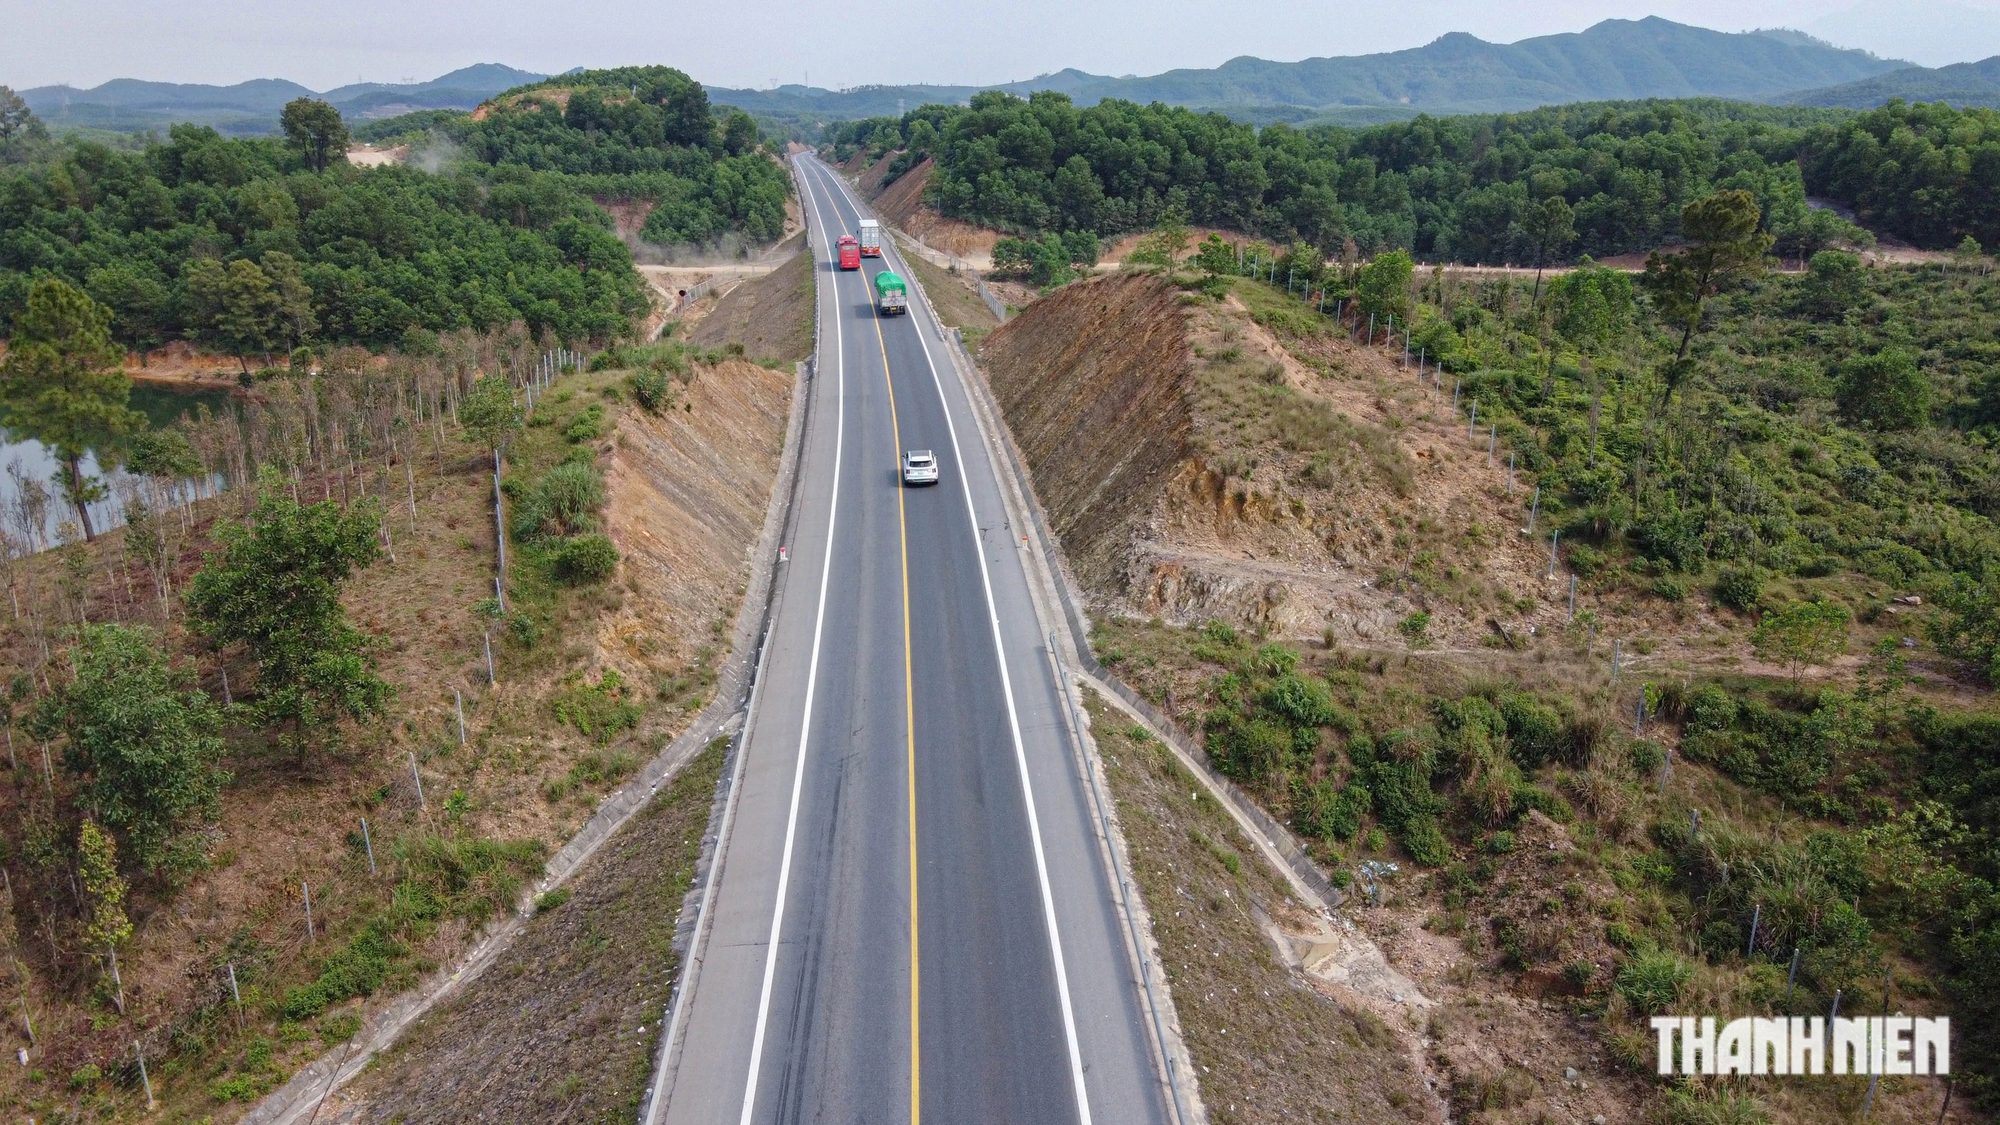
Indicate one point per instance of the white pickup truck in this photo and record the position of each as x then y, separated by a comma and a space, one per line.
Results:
920, 466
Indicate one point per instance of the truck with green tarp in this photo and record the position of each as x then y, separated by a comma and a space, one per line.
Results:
892, 296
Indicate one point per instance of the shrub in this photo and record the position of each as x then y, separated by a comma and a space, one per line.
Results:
564, 501
1653, 982
653, 390
1710, 708
1251, 750
600, 710
1584, 559
586, 558
1426, 842
1306, 702
1739, 587
1671, 588
1329, 813
1717, 1107
549, 900
1534, 730
1579, 973
1416, 628
1646, 755
339, 1028
1276, 660
586, 426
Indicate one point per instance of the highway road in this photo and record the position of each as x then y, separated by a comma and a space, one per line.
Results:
911, 917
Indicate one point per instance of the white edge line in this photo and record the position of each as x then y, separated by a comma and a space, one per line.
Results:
657, 1099
805, 723
1020, 751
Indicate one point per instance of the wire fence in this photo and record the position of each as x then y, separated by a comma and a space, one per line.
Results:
952, 261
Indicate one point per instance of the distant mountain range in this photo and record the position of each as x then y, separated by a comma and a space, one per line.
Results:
1457, 73
252, 107
1961, 84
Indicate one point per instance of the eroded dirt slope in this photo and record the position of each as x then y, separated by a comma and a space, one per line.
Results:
901, 204
1096, 385
689, 488
1196, 469
770, 316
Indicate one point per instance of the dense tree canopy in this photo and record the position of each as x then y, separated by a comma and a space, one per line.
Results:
259, 246
1468, 189
1928, 172
641, 133
227, 241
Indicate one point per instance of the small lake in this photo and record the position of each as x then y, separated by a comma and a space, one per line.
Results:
162, 404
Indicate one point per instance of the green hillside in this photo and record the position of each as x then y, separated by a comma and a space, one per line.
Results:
1961, 85
1457, 73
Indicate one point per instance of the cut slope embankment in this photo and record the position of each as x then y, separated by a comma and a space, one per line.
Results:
689, 488
1196, 468
770, 316
558, 1022
1096, 383
901, 204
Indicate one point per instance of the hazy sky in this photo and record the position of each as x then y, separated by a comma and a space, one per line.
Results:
325, 43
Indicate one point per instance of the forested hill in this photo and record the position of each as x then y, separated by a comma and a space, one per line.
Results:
258, 247
251, 108
644, 133
1468, 189
1457, 73
1961, 84
1648, 58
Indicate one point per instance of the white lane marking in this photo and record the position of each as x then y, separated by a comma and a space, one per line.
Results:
656, 1101
1014, 725
805, 724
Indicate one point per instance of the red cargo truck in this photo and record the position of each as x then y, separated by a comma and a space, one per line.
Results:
849, 251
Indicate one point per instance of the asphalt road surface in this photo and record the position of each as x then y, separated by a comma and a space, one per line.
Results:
912, 919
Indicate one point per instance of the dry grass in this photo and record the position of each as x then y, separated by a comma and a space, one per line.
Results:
521, 777
564, 1029
954, 296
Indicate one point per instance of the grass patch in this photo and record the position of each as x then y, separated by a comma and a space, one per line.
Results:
1271, 1051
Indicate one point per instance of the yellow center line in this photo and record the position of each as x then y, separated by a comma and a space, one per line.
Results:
910, 730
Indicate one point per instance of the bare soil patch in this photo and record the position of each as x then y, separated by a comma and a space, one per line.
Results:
770, 317
954, 295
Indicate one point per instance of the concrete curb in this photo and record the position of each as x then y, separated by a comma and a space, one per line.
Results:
301, 1096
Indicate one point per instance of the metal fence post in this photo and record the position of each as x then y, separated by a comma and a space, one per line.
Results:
144, 1080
